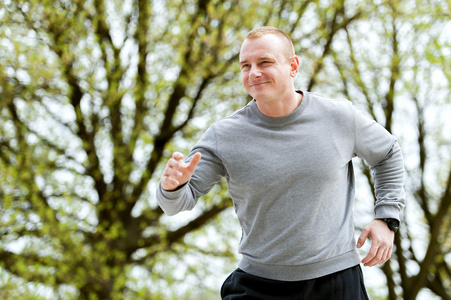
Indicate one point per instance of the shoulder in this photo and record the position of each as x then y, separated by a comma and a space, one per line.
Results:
236, 120
329, 103
341, 110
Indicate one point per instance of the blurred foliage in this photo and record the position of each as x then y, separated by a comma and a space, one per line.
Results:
96, 94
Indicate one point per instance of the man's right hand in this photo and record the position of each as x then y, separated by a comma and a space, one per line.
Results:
178, 172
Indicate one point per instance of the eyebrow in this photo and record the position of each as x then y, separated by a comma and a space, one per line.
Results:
259, 59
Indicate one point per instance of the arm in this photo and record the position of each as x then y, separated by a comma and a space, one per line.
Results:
388, 176
383, 153
183, 182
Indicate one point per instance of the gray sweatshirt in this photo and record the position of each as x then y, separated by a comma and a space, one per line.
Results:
291, 180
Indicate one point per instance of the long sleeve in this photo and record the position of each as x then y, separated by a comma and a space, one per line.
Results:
389, 184
380, 149
208, 172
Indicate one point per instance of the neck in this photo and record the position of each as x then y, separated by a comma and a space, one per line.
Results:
282, 107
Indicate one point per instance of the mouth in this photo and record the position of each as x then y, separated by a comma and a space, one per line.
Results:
258, 84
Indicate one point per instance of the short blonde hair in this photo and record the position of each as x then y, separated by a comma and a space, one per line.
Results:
264, 30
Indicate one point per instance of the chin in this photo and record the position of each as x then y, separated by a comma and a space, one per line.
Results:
259, 94
265, 94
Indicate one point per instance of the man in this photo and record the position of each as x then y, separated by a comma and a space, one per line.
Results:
287, 160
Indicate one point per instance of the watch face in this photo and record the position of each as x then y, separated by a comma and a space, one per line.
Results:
393, 224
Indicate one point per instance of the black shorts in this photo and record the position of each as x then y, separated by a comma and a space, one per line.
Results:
343, 285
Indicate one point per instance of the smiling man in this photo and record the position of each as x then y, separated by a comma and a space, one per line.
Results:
287, 158
268, 66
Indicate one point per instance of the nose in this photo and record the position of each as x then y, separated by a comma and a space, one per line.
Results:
255, 72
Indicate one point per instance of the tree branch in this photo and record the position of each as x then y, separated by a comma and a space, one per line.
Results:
9, 261
394, 69
421, 192
175, 236
334, 26
434, 245
358, 77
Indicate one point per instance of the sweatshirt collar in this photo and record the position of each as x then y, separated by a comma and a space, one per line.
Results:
284, 119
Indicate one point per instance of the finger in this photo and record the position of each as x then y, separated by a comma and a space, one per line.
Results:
171, 181
173, 173
387, 255
177, 156
380, 256
369, 259
194, 162
383, 257
386, 251
377, 260
371, 263
362, 238
175, 164
168, 183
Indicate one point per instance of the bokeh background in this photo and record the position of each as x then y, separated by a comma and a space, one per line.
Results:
96, 94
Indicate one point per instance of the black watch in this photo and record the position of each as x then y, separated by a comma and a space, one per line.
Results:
393, 224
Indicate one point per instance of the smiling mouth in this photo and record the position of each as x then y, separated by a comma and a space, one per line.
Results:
258, 84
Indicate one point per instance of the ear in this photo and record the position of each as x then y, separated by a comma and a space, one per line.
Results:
294, 63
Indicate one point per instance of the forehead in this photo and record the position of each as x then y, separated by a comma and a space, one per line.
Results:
268, 45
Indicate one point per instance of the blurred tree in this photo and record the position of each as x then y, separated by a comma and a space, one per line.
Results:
401, 74
95, 95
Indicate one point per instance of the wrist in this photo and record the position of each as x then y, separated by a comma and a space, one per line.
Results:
392, 224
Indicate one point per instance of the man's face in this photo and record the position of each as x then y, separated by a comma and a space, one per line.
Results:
266, 70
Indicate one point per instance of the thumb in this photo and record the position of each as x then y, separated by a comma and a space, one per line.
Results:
362, 238
194, 162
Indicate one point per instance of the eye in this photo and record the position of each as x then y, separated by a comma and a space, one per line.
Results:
244, 66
